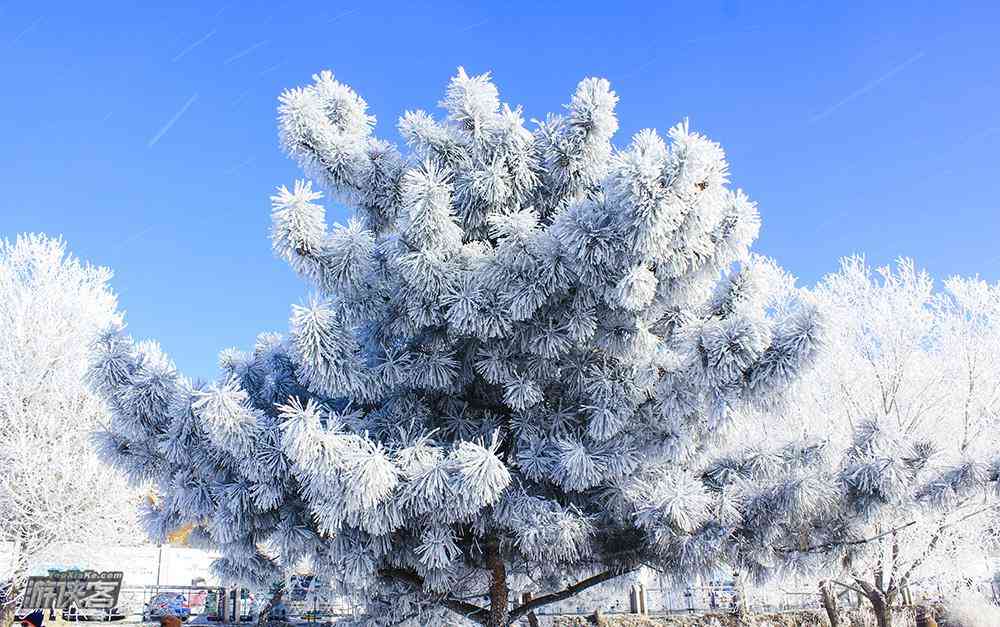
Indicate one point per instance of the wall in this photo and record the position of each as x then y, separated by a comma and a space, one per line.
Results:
178, 566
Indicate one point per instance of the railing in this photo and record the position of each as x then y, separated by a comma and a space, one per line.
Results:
725, 597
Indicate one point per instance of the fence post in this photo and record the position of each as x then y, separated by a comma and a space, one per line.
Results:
741, 602
224, 605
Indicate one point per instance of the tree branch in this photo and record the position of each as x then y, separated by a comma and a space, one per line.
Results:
927, 552
830, 545
816, 548
895, 561
868, 589
468, 610
848, 586
562, 595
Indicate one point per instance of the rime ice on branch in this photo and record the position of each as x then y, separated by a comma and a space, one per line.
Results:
522, 350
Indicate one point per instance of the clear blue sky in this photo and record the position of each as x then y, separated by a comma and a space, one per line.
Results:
146, 136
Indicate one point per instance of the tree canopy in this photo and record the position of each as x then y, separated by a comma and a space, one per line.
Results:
522, 352
882, 474
53, 488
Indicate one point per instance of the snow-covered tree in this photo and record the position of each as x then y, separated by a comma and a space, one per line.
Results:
522, 349
53, 489
882, 474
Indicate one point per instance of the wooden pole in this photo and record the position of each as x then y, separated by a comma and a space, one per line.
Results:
223, 605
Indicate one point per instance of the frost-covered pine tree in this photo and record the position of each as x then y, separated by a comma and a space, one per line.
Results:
53, 489
882, 475
521, 349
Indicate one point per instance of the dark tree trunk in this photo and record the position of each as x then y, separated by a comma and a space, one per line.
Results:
499, 615
881, 601
829, 600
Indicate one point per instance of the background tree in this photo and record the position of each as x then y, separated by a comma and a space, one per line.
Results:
53, 489
886, 465
523, 348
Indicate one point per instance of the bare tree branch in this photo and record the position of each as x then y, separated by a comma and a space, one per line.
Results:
825, 546
848, 586
562, 595
463, 608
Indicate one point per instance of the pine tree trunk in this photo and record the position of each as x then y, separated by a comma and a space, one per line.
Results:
829, 600
499, 594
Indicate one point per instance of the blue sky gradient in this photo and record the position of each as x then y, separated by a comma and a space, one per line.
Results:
146, 135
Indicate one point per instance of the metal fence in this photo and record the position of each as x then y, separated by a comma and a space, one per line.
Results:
702, 599
660, 598
312, 605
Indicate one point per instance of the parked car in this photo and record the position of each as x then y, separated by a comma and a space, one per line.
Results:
167, 603
75, 613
